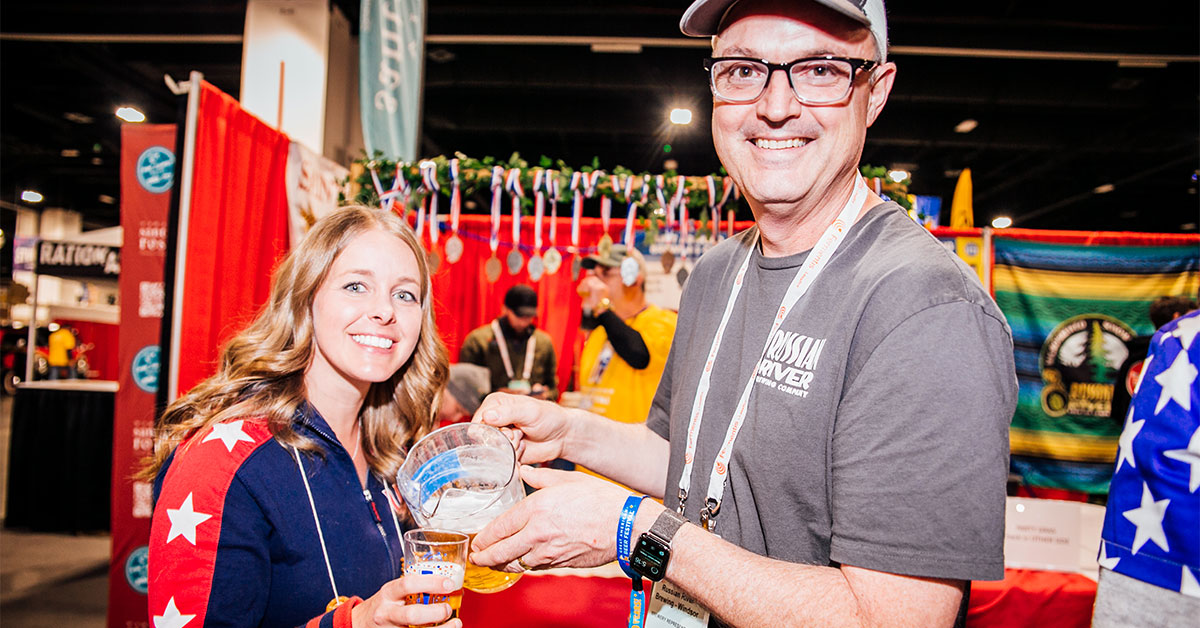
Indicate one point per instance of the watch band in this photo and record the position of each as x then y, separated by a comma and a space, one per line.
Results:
667, 524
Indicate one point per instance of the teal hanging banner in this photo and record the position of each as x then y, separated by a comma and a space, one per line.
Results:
391, 62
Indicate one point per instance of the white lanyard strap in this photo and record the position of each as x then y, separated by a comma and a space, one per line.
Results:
805, 276
503, 344
316, 520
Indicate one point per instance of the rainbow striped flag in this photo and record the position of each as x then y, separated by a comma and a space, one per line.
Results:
1073, 300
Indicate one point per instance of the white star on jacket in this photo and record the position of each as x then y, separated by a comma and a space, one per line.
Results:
229, 433
1176, 383
184, 521
1148, 518
1187, 583
1125, 443
1104, 560
171, 617
1190, 456
1186, 332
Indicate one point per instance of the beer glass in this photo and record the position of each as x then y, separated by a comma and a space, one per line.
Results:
439, 553
459, 478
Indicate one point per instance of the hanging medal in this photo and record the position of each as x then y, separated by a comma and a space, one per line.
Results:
513, 183
492, 268
576, 215
682, 275
536, 265
552, 258
604, 245
454, 244
727, 183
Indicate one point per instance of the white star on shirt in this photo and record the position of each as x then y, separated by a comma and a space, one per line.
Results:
1125, 443
1187, 583
1148, 518
1186, 331
184, 521
171, 617
1176, 383
1104, 560
1190, 456
229, 433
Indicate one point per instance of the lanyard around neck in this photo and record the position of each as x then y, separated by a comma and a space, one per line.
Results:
833, 236
503, 344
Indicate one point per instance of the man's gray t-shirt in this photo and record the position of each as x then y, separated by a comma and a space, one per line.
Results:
877, 432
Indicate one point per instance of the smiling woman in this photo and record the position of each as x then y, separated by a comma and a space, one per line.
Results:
257, 471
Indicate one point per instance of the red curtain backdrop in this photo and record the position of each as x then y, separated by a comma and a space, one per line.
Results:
237, 230
144, 219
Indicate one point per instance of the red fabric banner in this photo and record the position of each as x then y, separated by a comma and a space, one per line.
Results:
147, 174
237, 229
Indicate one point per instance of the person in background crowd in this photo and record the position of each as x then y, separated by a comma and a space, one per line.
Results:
832, 485
465, 389
61, 344
1162, 311
1150, 543
623, 358
269, 476
520, 356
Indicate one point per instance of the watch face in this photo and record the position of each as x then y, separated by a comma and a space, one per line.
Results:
649, 558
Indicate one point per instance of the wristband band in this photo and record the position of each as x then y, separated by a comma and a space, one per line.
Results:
625, 533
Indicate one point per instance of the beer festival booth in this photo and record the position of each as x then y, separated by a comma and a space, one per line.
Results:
239, 192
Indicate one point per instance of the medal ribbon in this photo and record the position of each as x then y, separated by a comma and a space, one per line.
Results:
455, 196
513, 183
429, 178
552, 187
497, 188
820, 254
539, 209
576, 208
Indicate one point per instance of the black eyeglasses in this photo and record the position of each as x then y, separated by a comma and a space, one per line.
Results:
814, 80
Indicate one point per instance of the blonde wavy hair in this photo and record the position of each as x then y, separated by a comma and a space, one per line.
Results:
261, 370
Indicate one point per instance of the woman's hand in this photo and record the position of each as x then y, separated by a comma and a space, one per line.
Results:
388, 608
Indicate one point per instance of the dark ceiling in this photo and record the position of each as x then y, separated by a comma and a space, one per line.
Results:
1058, 114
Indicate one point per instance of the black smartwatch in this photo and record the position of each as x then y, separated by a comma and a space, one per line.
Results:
653, 550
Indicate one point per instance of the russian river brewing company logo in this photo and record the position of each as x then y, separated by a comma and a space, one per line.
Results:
145, 368
156, 169
1079, 362
790, 362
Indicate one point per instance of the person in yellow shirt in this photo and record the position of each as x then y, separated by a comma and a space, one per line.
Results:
624, 356
62, 342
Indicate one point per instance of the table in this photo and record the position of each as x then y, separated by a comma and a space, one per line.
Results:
60, 460
557, 599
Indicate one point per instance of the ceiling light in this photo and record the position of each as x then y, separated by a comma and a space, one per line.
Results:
966, 126
129, 114
670, 164
96, 161
1103, 189
681, 116
107, 200
1000, 222
29, 196
897, 175
70, 152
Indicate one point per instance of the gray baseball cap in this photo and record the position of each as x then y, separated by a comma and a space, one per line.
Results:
469, 384
704, 17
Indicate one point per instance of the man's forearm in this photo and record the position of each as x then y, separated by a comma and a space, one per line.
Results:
745, 589
626, 452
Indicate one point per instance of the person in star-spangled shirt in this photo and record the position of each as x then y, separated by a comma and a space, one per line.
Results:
1150, 547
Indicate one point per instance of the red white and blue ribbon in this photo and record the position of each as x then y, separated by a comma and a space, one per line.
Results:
455, 196
429, 180
513, 184
539, 209
552, 188
576, 207
497, 190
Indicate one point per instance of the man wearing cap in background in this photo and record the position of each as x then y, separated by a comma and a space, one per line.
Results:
624, 355
820, 480
520, 356
466, 387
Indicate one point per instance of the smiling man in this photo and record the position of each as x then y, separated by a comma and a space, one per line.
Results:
830, 435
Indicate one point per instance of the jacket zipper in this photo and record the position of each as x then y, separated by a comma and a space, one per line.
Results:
382, 532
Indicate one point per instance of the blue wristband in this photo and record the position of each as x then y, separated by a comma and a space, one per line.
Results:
625, 533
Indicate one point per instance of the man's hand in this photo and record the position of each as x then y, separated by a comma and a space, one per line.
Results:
592, 290
570, 522
540, 426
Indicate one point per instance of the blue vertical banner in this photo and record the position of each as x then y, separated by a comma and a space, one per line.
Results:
390, 66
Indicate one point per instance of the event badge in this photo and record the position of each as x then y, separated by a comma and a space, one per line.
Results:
536, 267
668, 260
604, 246
671, 608
553, 260
520, 386
515, 262
454, 249
492, 269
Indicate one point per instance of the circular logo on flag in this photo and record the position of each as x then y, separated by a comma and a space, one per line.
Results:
137, 570
1079, 363
156, 169
145, 368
